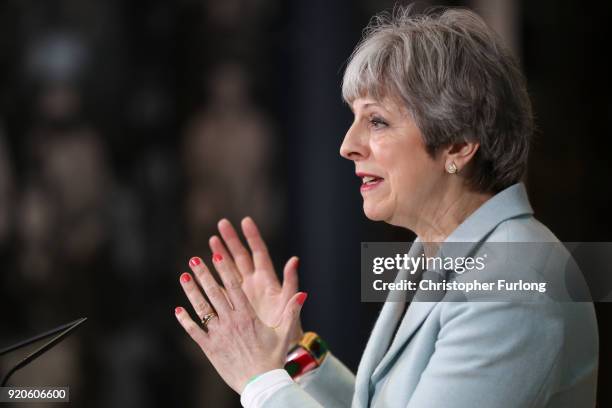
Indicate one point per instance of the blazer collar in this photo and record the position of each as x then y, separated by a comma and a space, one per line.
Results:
509, 203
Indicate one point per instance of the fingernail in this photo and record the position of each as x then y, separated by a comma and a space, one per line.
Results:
302, 298
217, 257
178, 310
185, 277
195, 261
297, 261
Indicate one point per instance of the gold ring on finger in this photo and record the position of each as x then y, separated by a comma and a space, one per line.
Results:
207, 318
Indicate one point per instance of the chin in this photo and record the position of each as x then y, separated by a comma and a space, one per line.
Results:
375, 213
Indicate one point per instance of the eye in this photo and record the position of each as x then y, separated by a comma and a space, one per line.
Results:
378, 122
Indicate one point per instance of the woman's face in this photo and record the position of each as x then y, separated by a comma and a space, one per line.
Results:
399, 177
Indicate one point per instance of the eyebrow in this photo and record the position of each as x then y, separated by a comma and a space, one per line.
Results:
373, 104
369, 104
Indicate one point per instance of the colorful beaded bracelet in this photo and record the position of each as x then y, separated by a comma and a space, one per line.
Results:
307, 355
315, 345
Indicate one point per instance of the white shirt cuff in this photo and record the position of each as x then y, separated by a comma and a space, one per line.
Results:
306, 378
261, 388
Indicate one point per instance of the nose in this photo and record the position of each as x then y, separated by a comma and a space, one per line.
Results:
353, 146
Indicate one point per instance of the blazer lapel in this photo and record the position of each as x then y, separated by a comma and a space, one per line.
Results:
379, 340
509, 203
415, 315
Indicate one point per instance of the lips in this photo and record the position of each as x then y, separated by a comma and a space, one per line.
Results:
369, 181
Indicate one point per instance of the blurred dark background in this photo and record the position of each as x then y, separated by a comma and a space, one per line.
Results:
128, 128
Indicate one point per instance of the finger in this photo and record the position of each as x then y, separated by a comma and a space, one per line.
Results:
217, 247
193, 330
227, 297
290, 277
210, 286
261, 257
226, 256
241, 255
229, 276
291, 314
195, 296
200, 278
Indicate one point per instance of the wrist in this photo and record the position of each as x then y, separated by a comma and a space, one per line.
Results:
295, 341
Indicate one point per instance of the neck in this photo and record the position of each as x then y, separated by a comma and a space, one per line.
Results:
438, 220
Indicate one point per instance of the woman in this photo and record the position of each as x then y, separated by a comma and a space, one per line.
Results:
440, 140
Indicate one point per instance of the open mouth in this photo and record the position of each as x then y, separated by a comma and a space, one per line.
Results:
369, 181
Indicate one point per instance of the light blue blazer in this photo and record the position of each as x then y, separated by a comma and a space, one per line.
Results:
469, 354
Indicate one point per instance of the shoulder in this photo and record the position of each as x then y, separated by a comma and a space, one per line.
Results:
524, 248
524, 228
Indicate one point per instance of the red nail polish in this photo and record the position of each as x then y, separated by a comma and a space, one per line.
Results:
297, 263
217, 257
195, 261
302, 298
185, 277
178, 310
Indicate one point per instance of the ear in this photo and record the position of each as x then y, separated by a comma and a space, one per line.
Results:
460, 153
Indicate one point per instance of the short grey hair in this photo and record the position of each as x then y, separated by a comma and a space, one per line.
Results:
458, 81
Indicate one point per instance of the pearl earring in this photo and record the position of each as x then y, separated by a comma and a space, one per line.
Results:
451, 168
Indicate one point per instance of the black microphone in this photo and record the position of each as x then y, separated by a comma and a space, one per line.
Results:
64, 331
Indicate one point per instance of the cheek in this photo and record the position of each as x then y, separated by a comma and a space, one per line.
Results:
407, 164
407, 159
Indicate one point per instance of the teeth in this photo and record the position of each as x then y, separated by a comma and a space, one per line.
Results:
368, 179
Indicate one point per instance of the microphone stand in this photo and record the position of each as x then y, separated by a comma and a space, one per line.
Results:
64, 331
